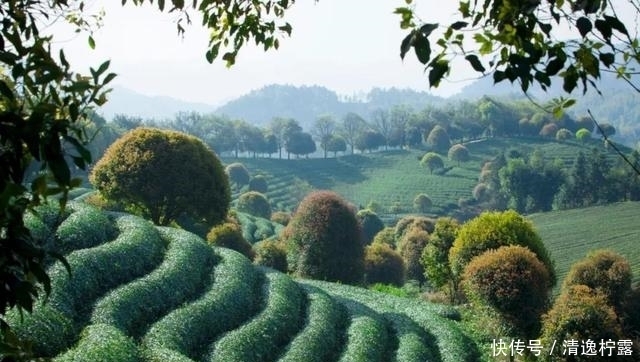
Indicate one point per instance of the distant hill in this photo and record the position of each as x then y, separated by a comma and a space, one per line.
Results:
306, 103
126, 101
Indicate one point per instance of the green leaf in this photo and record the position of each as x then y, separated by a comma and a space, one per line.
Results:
406, 44
103, 67
616, 24
426, 29
605, 29
92, 43
554, 66
570, 79
458, 25
422, 48
438, 70
475, 63
6, 91
584, 26
607, 59
109, 78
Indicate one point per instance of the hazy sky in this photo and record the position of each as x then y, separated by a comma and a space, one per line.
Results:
346, 45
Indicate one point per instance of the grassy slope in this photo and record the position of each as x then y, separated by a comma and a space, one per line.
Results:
392, 176
570, 235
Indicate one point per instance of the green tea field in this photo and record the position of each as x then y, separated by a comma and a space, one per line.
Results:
138, 292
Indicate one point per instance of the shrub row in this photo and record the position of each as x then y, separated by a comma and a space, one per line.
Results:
104, 343
255, 229
265, 337
86, 227
440, 333
368, 337
233, 297
94, 272
412, 340
322, 337
182, 276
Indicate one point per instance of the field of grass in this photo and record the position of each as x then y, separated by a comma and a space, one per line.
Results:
394, 176
138, 292
570, 235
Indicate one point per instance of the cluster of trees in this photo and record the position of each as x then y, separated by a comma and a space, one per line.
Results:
533, 183
400, 126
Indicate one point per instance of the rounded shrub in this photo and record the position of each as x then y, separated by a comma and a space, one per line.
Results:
386, 236
258, 184
412, 221
422, 203
281, 217
229, 235
432, 161
271, 253
492, 230
604, 271
254, 203
410, 247
512, 281
458, 153
383, 265
324, 240
165, 174
435, 256
370, 224
238, 174
580, 313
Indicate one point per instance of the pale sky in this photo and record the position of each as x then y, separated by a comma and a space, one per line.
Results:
345, 45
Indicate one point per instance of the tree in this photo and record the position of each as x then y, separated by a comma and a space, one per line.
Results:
324, 240
272, 254
300, 143
400, 115
492, 230
351, 127
283, 129
323, 130
254, 203
383, 265
432, 161
603, 271
382, 124
606, 129
458, 153
370, 224
435, 256
438, 139
410, 247
259, 184
422, 203
549, 130
583, 135
516, 41
336, 144
580, 313
370, 140
229, 235
165, 174
564, 134
512, 281
238, 174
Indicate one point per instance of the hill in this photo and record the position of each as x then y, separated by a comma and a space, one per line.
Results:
571, 234
306, 103
138, 292
394, 176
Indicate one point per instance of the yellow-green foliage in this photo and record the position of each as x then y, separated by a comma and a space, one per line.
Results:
271, 253
604, 271
580, 313
383, 265
165, 174
492, 230
281, 217
324, 240
413, 221
229, 235
435, 256
254, 203
386, 236
410, 247
512, 281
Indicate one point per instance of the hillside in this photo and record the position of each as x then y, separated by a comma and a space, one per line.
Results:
394, 176
138, 292
570, 235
